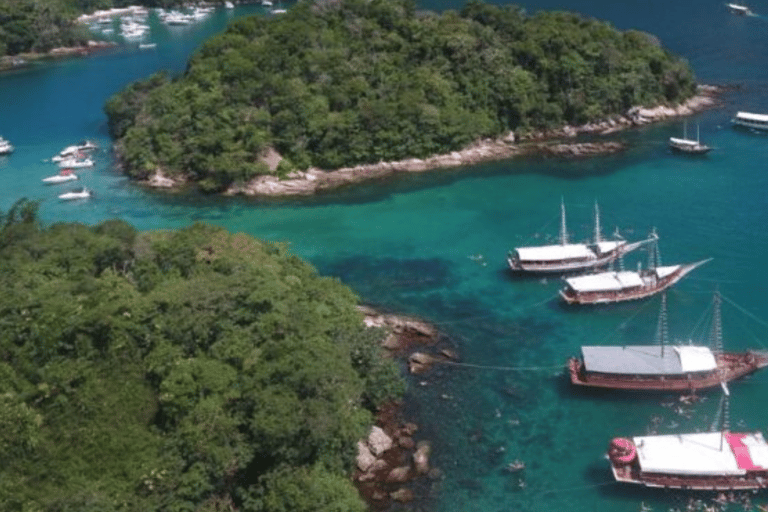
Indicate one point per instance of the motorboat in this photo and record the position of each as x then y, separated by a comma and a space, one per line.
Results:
6, 148
74, 150
82, 193
739, 9
75, 163
64, 176
750, 120
229, 5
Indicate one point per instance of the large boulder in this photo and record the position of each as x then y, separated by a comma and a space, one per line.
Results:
379, 441
365, 458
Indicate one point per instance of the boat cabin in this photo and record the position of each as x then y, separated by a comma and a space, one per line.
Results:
703, 461
648, 360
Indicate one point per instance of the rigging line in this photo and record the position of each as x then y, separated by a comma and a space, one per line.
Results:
583, 487
751, 315
746, 328
624, 323
503, 368
701, 321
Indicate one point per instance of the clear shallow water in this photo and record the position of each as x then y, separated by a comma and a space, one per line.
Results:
411, 244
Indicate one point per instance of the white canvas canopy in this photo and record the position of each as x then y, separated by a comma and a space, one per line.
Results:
648, 359
605, 282
555, 252
706, 453
696, 359
687, 454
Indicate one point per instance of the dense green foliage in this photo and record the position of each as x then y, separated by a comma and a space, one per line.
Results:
344, 82
38, 25
176, 371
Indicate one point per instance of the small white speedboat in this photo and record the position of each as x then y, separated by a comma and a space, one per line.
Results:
74, 163
6, 148
83, 193
74, 150
64, 176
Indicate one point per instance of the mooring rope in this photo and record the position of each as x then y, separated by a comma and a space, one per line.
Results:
504, 368
581, 488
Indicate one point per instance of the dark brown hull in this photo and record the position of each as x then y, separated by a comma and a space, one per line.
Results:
730, 366
753, 480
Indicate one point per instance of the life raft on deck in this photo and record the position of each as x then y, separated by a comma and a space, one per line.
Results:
622, 451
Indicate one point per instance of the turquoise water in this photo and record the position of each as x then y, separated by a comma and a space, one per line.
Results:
412, 244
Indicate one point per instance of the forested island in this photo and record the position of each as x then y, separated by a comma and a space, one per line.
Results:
177, 371
337, 83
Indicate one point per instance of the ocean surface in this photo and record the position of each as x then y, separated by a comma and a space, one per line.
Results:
434, 245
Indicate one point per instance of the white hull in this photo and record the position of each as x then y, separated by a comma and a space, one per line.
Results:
71, 196
60, 178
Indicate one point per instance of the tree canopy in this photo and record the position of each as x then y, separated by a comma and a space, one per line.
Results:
177, 371
342, 82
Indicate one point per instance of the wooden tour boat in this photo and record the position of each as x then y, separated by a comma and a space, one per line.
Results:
660, 367
568, 257
612, 286
706, 461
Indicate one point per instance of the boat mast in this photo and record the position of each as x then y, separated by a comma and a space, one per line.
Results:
662, 331
563, 230
654, 256
716, 333
597, 224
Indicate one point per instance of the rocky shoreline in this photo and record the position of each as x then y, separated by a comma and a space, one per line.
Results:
391, 462
22, 60
549, 143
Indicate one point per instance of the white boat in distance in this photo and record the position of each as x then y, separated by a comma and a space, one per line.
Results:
5, 147
229, 5
739, 9
567, 257
74, 150
750, 120
83, 193
74, 163
689, 146
63, 176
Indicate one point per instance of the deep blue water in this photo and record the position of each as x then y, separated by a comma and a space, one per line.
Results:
412, 244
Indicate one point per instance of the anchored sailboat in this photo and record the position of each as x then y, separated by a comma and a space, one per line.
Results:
568, 257
665, 367
608, 287
689, 146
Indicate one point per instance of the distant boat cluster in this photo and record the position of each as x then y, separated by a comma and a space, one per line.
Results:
76, 156
132, 24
